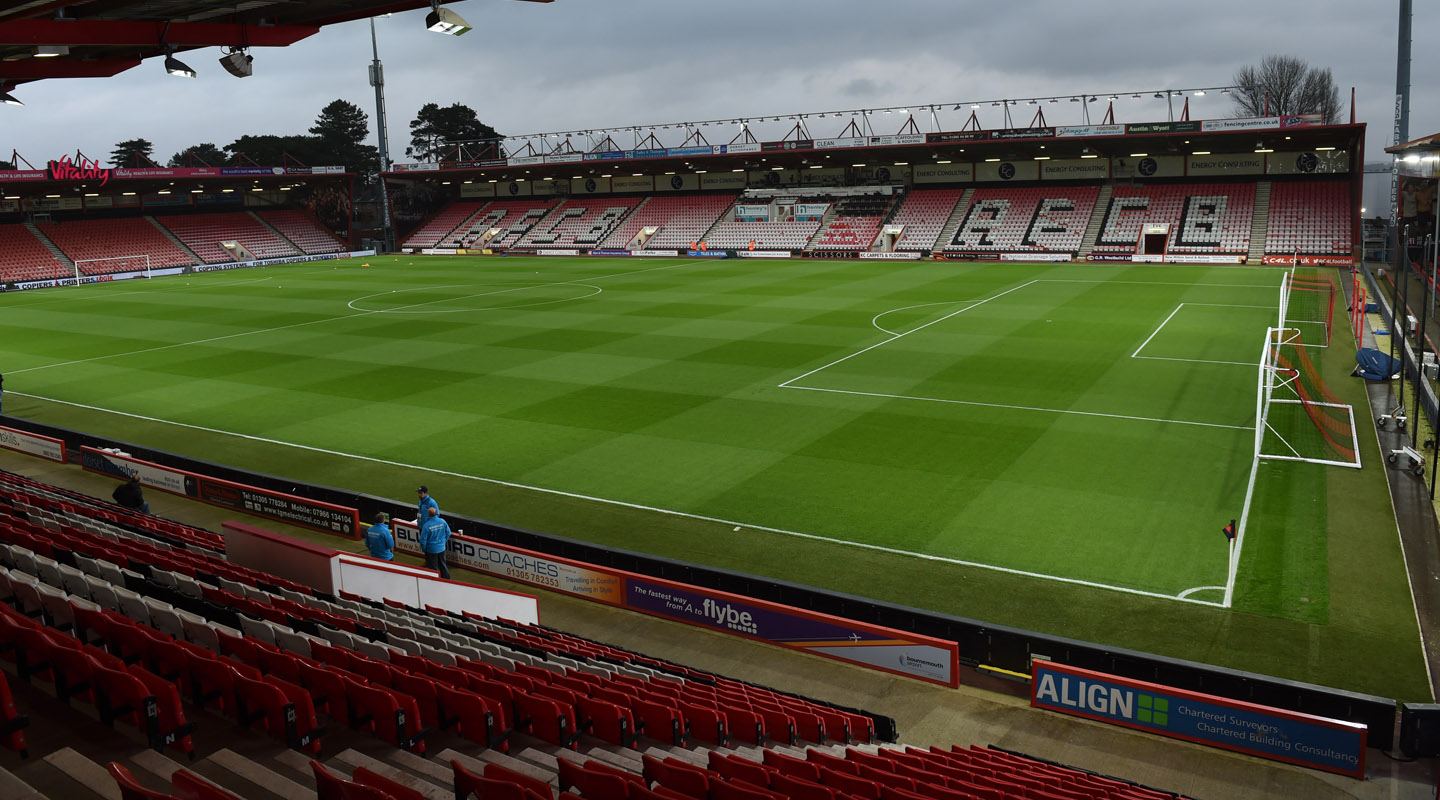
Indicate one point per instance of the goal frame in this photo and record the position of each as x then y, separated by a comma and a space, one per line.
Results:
146, 271
1272, 377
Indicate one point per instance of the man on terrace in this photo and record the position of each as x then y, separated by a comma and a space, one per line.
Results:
434, 539
379, 539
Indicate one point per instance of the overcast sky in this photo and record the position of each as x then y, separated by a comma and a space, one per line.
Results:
532, 67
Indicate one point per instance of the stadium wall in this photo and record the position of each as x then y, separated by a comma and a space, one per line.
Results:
979, 644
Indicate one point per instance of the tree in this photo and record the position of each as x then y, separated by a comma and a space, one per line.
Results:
7, 165
434, 126
132, 153
1291, 85
199, 155
272, 151
340, 131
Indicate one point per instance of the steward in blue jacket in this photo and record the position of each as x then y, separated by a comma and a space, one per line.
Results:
379, 539
434, 539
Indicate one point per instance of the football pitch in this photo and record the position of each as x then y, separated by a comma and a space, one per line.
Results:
1052, 447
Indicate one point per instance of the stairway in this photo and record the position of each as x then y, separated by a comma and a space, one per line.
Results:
825, 221
947, 233
299, 251
1259, 223
175, 240
49, 245
463, 230
1097, 219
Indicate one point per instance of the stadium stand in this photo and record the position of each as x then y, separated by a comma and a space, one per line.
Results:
856, 223
303, 230
443, 223
203, 234
579, 222
924, 214
520, 217
1204, 218
25, 258
82, 239
1038, 219
143, 621
1309, 218
682, 219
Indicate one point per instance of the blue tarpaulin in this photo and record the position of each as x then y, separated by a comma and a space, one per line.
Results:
1375, 365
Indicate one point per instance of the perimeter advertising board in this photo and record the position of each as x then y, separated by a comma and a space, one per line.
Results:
276, 506
1304, 739
32, 444
897, 652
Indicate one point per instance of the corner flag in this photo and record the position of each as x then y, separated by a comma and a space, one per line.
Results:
1229, 531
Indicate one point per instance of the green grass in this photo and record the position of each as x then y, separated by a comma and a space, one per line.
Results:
1014, 454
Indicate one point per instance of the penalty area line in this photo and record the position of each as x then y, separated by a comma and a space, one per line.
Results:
636, 506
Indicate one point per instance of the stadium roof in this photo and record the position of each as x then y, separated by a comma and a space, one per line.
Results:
99, 38
1425, 144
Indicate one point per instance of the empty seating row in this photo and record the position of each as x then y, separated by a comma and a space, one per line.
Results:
120, 245
923, 215
1202, 218
204, 233
1309, 218
303, 230
579, 222
1038, 219
25, 258
440, 226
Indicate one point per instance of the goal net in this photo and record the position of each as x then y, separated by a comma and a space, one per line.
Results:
1296, 416
110, 266
1307, 304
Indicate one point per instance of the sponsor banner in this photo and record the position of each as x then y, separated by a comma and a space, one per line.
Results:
1243, 124
333, 170
120, 465
1164, 127
1327, 162
85, 280
831, 144
557, 252
688, 151
677, 183
183, 172
763, 253
609, 253
515, 189
524, 161
742, 147
1189, 258
1053, 258
1023, 133
957, 136
1308, 261
1226, 164
944, 173
549, 188
707, 253
723, 180
1311, 741
930, 660
990, 171
477, 190
1147, 167
607, 155
55, 203
522, 566
1109, 257
1075, 169
438, 251
655, 253
967, 256
752, 213
811, 209
829, 176
793, 144
32, 444
1070, 131
9, 206
100, 202
166, 199
290, 509
564, 158
590, 186
243, 171
897, 139
630, 183
650, 152
14, 175
771, 178
1301, 120
891, 256
270, 261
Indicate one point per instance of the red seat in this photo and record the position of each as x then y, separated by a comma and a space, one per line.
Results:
74, 674
12, 722
849, 783
534, 787
779, 724
801, 789
468, 783
740, 790
329, 786
145, 701
212, 682
542, 718
592, 785
794, 767
662, 722
742, 769
471, 715
189, 786
391, 716
281, 665
606, 721
267, 701
426, 694
130, 789
391, 788
744, 724
327, 689
673, 774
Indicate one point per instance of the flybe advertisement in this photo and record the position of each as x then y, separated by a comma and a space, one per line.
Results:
1310, 741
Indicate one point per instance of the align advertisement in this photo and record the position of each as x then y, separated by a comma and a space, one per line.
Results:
1273, 733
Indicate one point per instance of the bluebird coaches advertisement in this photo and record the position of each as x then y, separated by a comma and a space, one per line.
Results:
1310, 741
911, 655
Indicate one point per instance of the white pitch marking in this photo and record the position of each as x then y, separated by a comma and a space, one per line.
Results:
1161, 283
1156, 332
1233, 569
875, 320
1020, 408
636, 506
1196, 361
786, 384
1186, 594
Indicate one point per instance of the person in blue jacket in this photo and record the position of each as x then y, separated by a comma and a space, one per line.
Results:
379, 539
426, 502
434, 539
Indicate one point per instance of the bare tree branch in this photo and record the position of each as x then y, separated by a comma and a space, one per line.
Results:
1283, 85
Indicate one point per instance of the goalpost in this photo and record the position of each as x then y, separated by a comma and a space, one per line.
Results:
1297, 418
109, 266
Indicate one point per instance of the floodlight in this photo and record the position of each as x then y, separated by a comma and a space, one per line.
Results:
1200, 93
178, 68
10, 99
443, 20
1159, 96
238, 63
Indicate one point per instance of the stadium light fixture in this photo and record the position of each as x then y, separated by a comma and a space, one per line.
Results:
943, 161
178, 68
1138, 155
51, 50
991, 160
1159, 95
857, 165
239, 63
1042, 158
1090, 155
443, 20
1200, 93
10, 99
1324, 148
1201, 153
